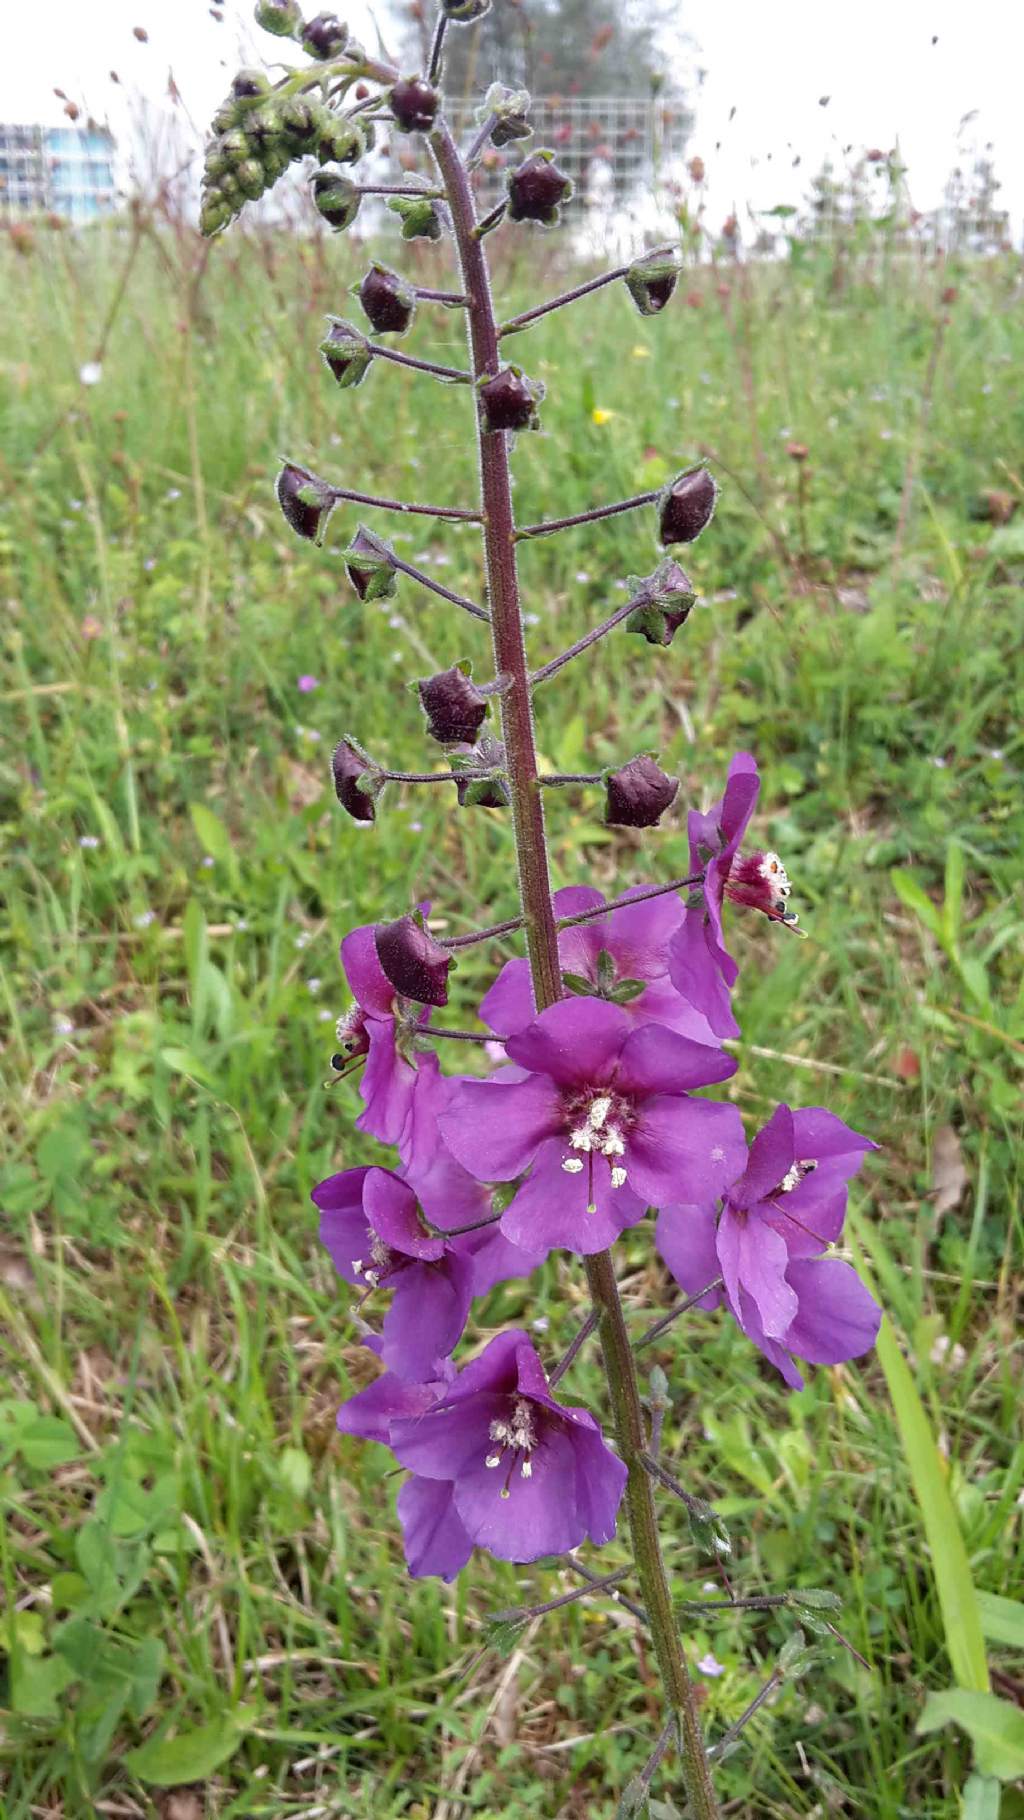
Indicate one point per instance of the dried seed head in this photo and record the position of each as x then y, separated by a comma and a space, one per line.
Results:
638, 794
669, 598
491, 792
389, 302
346, 352
369, 566
687, 506
337, 199
454, 707
415, 964
350, 768
414, 105
305, 500
536, 188
651, 282
509, 401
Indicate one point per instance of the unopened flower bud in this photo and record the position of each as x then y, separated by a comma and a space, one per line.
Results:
324, 37
669, 598
454, 706
282, 17
651, 281
491, 792
509, 401
639, 794
346, 352
389, 301
419, 217
250, 85
250, 178
369, 566
509, 106
234, 146
225, 118
305, 500
536, 188
414, 104
337, 199
214, 213
352, 771
687, 506
415, 964
797, 451
463, 12
303, 123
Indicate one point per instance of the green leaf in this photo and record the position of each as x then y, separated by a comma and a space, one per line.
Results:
994, 1726
1002, 1620
182, 1061
212, 834
957, 1597
916, 899
982, 1796
502, 1631
952, 908
190, 1756
48, 1441
295, 1470
36, 1684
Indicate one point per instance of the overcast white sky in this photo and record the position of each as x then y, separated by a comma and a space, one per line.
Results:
771, 62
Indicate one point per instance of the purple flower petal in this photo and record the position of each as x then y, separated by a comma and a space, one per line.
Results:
838, 1319
342, 1220
521, 1519
495, 1259
435, 1541
495, 1130
427, 1316
685, 1237
509, 1005
655, 1060
436, 1446
391, 1209
386, 1087
551, 1207
695, 974
576, 1042
371, 1412
762, 1258
821, 1134
684, 1150
772, 1154
365, 975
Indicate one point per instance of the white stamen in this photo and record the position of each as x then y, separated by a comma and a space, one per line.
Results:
582, 1138
618, 1178
493, 1459
357, 1266
526, 1470
599, 1112
572, 1165
373, 1278
613, 1144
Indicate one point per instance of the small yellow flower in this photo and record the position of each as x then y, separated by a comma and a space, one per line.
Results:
598, 416
641, 353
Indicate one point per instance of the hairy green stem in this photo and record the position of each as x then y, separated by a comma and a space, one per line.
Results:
542, 942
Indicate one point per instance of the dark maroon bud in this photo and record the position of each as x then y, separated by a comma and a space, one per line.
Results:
536, 188
687, 506
346, 352
651, 281
669, 598
249, 85
323, 37
463, 12
639, 794
350, 768
370, 567
454, 707
416, 965
490, 792
508, 108
414, 105
306, 501
337, 199
389, 302
509, 401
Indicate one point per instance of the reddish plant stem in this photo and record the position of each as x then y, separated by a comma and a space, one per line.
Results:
570, 922
437, 587
401, 505
542, 942
589, 638
585, 518
515, 323
454, 375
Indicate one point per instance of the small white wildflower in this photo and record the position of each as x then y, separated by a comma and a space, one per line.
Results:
208, 861
710, 1665
62, 1025
144, 919
88, 840
91, 373
314, 986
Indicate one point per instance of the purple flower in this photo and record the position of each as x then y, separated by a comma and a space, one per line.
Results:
370, 1223
600, 1124
524, 1476
700, 966
778, 1216
615, 955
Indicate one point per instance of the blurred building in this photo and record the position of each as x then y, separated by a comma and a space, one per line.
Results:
61, 170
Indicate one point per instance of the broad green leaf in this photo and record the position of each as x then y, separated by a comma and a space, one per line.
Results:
982, 1795
211, 832
190, 1756
957, 1597
36, 1684
916, 898
994, 1726
182, 1061
48, 1441
1002, 1620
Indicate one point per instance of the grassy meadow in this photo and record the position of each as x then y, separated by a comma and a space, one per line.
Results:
188, 1549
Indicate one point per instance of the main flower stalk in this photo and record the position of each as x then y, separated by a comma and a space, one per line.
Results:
542, 943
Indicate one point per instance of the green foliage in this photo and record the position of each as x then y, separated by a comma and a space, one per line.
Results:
194, 1563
